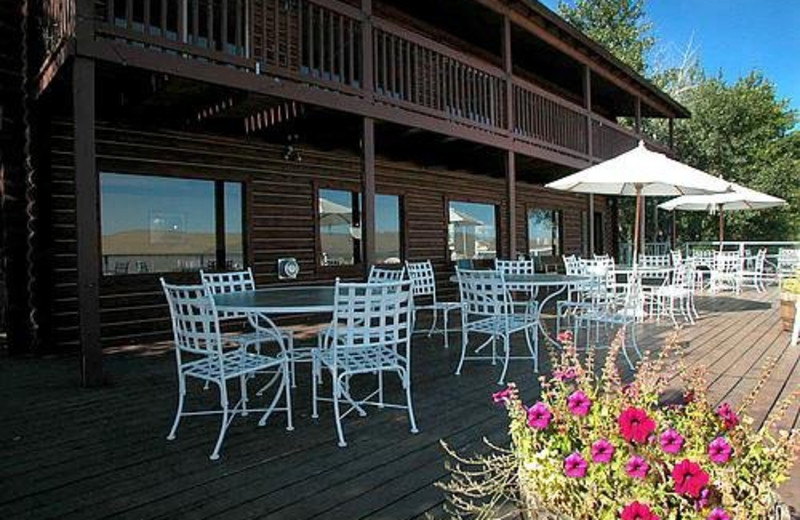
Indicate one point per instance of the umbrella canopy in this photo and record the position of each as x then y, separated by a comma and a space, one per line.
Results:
641, 172
740, 199
456, 217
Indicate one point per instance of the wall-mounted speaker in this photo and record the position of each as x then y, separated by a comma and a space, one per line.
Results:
288, 268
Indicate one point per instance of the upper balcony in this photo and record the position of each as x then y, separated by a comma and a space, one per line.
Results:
376, 59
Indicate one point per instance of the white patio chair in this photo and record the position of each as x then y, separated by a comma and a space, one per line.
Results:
726, 273
624, 312
200, 354
488, 310
370, 334
788, 260
262, 333
383, 274
674, 295
423, 286
754, 275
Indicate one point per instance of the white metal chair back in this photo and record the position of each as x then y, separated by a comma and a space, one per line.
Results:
371, 315
571, 265
788, 261
423, 278
515, 266
382, 274
229, 282
195, 324
483, 294
654, 260
677, 257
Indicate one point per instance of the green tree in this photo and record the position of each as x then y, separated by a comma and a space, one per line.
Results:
619, 25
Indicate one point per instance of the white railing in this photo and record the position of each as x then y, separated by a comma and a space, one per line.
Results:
650, 249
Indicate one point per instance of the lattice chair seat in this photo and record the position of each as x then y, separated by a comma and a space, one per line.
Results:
361, 360
200, 353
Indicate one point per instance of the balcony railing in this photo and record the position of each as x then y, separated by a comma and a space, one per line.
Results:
320, 42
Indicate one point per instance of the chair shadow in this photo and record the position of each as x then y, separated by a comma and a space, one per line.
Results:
725, 304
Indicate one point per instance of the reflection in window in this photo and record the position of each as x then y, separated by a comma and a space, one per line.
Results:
471, 231
388, 230
339, 214
544, 232
155, 224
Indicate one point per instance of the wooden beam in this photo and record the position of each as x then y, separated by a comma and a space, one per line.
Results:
368, 62
587, 105
508, 69
511, 195
87, 221
368, 184
591, 224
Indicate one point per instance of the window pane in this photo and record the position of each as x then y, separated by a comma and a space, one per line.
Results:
387, 229
156, 224
544, 232
472, 233
339, 227
234, 215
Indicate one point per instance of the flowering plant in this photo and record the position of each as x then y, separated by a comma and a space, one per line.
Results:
592, 447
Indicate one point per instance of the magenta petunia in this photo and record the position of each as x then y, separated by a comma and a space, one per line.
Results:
730, 419
539, 416
637, 467
575, 466
689, 477
602, 451
565, 336
635, 425
718, 514
719, 451
502, 397
567, 374
579, 404
637, 511
671, 441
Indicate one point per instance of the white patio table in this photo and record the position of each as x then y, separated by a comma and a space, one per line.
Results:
531, 283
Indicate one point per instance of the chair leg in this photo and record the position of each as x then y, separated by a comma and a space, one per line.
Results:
446, 313
434, 319
507, 349
406, 377
634, 342
315, 376
179, 411
625, 351
337, 390
243, 390
531, 348
287, 375
223, 397
380, 388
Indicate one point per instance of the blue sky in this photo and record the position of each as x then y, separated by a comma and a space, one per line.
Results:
734, 36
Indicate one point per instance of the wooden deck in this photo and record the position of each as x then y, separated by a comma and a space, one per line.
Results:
75, 453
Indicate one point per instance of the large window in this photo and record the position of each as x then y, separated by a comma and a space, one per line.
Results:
340, 222
599, 239
155, 224
388, 229
471, 231
544, 232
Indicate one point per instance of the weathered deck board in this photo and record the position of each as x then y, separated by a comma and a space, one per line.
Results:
73, 453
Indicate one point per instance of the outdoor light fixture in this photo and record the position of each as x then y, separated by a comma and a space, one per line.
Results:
288, 268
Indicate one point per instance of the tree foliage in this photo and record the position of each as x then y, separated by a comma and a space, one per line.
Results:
740, 130
620, 25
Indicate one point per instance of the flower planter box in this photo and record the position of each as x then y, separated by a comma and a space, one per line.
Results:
788, 307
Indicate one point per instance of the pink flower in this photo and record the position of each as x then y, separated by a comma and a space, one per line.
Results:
502, 397
729, 418
565, 336
635, 425
602, 451
539, 416
671, 441
718, 514
575, 466
566, 375
703, 499
637, 511
719, 451
689, 477
637, 467
579, 404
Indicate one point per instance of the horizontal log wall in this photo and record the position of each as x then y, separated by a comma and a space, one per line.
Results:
281, 215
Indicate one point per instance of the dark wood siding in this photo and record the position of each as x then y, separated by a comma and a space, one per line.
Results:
281, 215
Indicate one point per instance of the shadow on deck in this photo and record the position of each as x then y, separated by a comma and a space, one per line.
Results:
75, 453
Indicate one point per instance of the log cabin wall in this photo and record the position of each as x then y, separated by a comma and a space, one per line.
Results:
280, 219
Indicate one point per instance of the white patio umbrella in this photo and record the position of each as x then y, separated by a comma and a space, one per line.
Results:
740, 199
641, 172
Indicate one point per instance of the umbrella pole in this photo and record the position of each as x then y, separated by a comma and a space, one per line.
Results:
636, 226
721, 226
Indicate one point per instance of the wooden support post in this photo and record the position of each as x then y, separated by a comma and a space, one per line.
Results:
368, 183
511, 194
87, 221
368, 62
637, 107
587, 105
511, 165
591, 224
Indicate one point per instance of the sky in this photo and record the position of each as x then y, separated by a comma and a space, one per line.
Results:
733, 36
